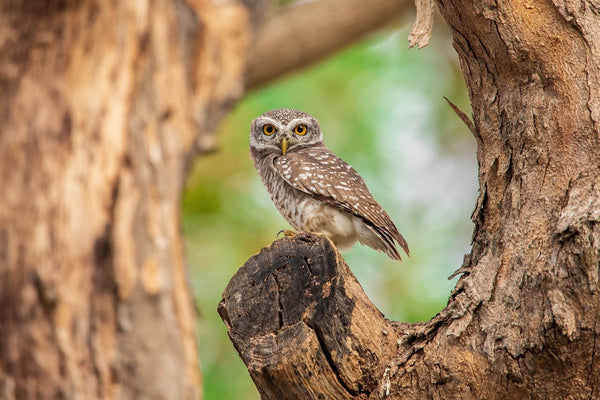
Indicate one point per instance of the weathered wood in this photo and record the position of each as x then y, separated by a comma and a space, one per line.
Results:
299, 318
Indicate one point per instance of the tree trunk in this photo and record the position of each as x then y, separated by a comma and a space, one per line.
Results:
523, 320
102, 106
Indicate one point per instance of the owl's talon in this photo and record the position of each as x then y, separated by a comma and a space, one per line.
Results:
287, 233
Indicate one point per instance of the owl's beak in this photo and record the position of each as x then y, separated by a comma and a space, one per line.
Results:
284, 145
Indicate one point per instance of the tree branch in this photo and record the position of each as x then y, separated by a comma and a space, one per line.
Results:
298, 317
421, 29
302, 34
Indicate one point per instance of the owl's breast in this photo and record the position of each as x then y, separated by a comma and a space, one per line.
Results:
295, 206
306, 213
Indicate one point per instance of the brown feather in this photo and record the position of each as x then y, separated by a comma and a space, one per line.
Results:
309, 170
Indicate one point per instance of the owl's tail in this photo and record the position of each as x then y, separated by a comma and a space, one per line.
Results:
384, 240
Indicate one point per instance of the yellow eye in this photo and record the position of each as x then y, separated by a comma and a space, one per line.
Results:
300, 130
268, 129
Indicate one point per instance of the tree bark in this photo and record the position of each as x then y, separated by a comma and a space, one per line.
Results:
299, 318
523, 320
102, 106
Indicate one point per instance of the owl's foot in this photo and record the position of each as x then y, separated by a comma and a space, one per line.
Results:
287, 233
302, 236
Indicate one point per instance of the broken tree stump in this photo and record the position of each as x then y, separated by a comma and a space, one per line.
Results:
297, 316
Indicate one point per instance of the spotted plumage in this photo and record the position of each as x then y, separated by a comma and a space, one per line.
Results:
313, 189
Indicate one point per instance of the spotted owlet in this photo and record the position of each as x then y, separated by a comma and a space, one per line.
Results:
313, 189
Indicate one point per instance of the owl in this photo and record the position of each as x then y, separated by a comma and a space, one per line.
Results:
313, 189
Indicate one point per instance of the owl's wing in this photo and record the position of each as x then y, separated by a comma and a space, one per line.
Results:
321, 174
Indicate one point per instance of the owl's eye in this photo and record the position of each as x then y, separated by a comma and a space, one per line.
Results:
300, 130
268, 129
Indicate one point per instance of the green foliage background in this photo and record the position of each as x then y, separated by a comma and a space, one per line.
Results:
381, 108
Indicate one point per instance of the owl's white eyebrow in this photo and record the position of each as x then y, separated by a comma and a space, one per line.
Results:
296, 120
271, 121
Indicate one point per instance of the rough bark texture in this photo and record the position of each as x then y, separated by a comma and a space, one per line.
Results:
296, 314
523, 320
101, 105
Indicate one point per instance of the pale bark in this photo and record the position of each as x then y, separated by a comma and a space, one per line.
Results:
522, 321
102, 105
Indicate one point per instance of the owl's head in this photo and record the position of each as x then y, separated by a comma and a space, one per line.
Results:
284, 130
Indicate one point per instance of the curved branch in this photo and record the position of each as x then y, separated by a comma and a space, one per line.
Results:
300, 35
